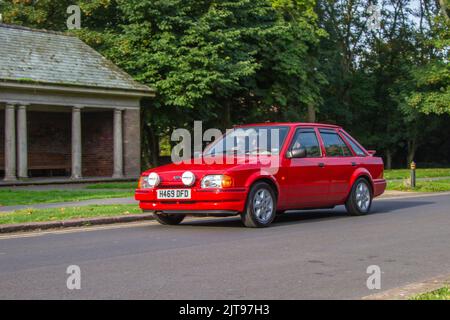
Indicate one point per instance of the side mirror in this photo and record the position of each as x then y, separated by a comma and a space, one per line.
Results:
296, 153
372, 152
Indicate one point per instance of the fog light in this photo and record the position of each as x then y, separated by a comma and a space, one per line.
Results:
153, 180
188, 178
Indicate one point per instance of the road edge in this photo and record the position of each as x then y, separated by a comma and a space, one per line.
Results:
411, 289
35, 226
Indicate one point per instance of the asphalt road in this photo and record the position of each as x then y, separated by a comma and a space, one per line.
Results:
307, 254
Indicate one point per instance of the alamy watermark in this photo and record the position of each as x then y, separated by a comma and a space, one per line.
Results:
73, 21
373, 282
374, 20
73, 281
242, 145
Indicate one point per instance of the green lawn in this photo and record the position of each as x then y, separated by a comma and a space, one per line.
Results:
440, 294
420, 173
421, 186
10, 197
56, 214
113, 185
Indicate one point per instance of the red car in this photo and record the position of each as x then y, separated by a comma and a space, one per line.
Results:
316, 166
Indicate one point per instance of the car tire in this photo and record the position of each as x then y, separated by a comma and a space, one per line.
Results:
169, 219
360, 198
261, 206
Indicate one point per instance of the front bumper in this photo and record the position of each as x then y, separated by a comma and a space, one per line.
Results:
218, 202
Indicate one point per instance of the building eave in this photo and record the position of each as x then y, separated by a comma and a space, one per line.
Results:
76, 89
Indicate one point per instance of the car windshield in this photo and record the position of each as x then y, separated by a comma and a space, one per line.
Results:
267, 140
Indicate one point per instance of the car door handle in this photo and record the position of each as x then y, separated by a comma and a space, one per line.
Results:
354, 164
321, 164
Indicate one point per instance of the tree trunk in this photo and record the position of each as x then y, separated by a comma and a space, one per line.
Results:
226, 120
311, 113
154, 148
411, 152
388, 159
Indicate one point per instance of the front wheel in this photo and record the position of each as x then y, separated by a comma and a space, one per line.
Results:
169, 219
261, 206
360, 199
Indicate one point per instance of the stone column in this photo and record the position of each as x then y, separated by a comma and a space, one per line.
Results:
118, 144
131, 143
76, 143
22, 145
10, 143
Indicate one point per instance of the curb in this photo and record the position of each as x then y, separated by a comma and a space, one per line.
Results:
33, 226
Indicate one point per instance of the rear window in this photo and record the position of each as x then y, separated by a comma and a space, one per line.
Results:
334, 145
358, 151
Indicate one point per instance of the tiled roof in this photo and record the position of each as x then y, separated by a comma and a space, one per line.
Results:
30, 55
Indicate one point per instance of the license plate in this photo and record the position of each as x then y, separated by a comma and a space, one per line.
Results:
174, 194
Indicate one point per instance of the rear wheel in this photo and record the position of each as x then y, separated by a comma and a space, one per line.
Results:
261, 206
169, 219
360, 199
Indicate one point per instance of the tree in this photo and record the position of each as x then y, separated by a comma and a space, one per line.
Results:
223, 62
429, 83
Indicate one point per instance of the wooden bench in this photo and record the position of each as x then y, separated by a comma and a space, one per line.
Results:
46, 162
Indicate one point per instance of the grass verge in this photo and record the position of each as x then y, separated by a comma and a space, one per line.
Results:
439, 294
22, 197
421, 186
113, 185
57, 214
420, 173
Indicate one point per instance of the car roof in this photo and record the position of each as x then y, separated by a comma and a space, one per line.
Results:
290, 124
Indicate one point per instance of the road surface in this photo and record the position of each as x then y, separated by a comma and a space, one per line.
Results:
304, 255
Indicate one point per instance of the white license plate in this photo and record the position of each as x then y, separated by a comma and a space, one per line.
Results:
174, 194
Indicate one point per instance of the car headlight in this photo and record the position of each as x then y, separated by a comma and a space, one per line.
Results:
188, 178
150, 181
217, 181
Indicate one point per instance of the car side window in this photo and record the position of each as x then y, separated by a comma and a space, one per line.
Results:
359, 152
334, 145
307, 139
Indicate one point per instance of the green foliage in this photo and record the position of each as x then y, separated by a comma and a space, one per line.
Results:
439, 294
427, 90
430, 89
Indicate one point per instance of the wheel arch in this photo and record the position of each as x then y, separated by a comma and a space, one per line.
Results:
361, 173
270, 180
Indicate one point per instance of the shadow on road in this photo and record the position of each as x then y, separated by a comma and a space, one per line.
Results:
387, 206
310, 216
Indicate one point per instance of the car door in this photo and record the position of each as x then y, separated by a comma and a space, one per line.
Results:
307, 180
339, 161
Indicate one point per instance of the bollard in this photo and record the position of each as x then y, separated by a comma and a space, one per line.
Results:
413, 174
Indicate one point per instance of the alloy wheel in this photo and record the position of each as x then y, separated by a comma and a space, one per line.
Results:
263, 205
362, 196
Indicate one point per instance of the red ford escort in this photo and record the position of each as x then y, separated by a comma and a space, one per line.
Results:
301, 166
